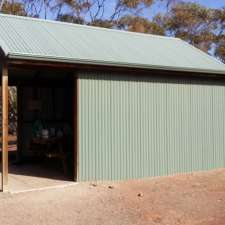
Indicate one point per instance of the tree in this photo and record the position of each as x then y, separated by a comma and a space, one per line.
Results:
11, 7
220, 50
140, 24
192, 23
219, 19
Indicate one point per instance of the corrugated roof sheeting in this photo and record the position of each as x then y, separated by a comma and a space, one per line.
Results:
28, 38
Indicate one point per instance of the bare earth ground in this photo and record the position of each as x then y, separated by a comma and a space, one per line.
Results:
197, 198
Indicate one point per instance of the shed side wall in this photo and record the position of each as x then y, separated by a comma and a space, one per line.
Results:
139, 127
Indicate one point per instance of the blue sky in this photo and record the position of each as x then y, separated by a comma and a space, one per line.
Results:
211, 3
160, 7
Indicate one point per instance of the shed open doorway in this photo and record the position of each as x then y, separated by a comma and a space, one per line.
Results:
44, 138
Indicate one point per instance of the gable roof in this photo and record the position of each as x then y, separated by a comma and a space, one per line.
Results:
36, 39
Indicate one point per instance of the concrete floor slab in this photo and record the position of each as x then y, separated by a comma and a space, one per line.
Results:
31, 176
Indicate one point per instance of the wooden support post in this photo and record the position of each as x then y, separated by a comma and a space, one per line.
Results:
4, 127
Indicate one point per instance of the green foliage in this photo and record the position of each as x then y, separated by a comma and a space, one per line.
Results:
70, 19
135, 3
219, 19
140, 24
102, 23
15, 8
193, 23
220, 50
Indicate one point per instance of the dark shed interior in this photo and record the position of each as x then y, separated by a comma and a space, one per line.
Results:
45, 122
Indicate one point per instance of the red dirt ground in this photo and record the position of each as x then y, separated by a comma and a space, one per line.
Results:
193, 199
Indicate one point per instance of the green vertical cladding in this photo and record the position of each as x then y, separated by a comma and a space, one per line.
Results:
139, 127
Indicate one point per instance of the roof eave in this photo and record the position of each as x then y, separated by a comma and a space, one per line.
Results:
114, 64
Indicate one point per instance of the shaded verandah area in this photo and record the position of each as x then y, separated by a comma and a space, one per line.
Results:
24, 169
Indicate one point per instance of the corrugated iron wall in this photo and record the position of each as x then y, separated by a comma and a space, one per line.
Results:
139, 127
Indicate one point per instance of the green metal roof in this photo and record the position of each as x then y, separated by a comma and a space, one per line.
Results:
36, 39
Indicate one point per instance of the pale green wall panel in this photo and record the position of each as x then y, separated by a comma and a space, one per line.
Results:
95, 135
147, 126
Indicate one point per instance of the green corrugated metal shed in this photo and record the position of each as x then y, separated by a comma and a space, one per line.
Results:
149, 126
131, 125
27, 38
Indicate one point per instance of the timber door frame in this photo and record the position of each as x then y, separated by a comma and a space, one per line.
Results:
76, 128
